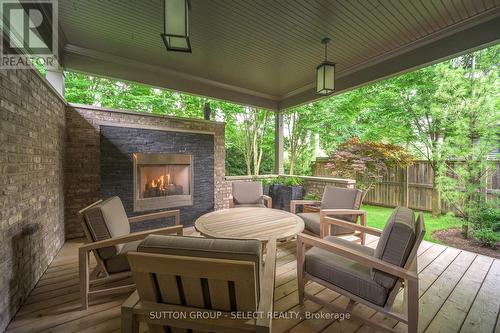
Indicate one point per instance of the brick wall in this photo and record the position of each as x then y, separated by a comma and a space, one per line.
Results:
32, 137
82, 170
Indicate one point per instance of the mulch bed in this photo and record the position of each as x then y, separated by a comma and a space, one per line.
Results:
453, 237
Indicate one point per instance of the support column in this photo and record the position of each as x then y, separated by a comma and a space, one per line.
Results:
278, 143
55, 76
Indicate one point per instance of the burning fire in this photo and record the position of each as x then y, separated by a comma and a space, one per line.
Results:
160, 183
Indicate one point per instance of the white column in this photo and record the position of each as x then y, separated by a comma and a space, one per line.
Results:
55, 76
278, 143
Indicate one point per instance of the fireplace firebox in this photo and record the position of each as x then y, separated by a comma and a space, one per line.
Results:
162, 181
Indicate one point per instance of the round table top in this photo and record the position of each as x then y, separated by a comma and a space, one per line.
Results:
250, 222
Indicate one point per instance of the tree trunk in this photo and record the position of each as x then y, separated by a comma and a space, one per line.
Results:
436, 202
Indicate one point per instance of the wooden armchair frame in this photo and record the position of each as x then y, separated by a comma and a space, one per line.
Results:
407, 275
100, 275
326, 219
268, 201
218, 273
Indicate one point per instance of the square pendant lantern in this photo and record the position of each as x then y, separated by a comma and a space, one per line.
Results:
176, 25
325, 78
325, 74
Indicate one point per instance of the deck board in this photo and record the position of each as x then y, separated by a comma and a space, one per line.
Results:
459, 292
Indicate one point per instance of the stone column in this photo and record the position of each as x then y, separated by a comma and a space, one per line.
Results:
278, 143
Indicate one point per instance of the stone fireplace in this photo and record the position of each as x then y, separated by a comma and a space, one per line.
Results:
162, 181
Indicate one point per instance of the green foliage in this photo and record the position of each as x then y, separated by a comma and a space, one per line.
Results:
466, 89
288, 181
487, 237
312, 196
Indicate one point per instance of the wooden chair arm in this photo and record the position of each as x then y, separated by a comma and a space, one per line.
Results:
266, 302
268, 200
362, 258
154, 216
295, 203
342, 212
131, 301
350, 225
130, 237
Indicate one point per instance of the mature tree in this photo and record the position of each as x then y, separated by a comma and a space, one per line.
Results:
468, 85
299, 139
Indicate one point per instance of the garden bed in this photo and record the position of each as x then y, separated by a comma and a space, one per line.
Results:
453, 237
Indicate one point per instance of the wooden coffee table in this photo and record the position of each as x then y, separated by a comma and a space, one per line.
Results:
250, 222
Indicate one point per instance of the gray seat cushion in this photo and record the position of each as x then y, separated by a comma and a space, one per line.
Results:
219, 248
342, 198
247, 193
251, 205
119, 263
345, 273
395, 243
312, 224
107, 220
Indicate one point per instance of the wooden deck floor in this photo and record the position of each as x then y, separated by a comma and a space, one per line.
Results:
459, 292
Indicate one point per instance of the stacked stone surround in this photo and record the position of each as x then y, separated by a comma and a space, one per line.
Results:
119, 143
32, 140
83, 167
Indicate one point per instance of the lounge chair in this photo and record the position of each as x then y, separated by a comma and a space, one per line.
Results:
338, 203
249, 194
202, 281
372, 277
107, 229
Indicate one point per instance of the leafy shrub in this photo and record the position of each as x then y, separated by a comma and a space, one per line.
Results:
288, 181
293, 181
312, 196
485, 217
487, 237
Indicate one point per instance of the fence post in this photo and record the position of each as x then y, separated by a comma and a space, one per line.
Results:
407, 187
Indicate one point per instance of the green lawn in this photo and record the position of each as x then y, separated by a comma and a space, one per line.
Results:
377, 217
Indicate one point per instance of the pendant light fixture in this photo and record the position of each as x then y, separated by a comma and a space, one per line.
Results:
325, 73
176, 25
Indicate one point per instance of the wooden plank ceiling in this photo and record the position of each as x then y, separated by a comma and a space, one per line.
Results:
264, 52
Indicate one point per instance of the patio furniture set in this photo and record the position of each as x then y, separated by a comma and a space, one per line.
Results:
231, 267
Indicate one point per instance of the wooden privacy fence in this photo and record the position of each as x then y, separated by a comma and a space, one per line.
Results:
410, 186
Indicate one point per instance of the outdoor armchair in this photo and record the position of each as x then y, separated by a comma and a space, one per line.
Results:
249, 194
197, 277
107, 229
338, 203
372, 277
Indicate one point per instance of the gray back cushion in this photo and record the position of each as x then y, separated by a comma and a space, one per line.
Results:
107, 220
218, 248
247, 192
395, 243
342, 198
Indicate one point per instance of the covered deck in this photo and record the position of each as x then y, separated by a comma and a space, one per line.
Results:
459, 292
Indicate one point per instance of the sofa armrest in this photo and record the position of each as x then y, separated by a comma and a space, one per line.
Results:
295, 203
362, 258
268, 201
153, 216
231, 202
130, 237
265, 305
